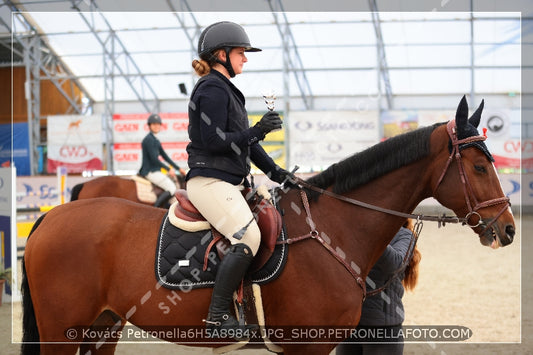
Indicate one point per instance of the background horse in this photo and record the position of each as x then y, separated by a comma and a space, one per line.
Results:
91, 262
116, 186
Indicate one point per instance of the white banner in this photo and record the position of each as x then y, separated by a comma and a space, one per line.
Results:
504, 140
75, 142
321, 138
6, 175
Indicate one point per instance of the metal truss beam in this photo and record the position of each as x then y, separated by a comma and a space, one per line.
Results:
382, 58
292, 61
129, 71
41, 63
192, 33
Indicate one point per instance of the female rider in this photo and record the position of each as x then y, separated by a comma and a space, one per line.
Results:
221, 149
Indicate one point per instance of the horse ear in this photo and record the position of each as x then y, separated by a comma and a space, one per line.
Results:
461, 116
476, 117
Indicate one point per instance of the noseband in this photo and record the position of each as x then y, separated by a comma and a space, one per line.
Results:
467, 187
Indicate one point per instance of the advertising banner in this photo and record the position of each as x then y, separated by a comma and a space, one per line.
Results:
132, 128
75, 142
504, 140
8, 243
128, 156
16, 134
321, 138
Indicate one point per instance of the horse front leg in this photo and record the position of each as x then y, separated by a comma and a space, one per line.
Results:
107, 321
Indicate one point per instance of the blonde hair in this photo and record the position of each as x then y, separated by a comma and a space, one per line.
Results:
201, 67
411, 271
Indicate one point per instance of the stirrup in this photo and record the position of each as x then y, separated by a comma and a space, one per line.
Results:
234, 330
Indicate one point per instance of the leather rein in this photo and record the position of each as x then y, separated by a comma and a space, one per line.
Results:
442, 220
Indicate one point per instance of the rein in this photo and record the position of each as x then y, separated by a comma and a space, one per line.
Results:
442, 220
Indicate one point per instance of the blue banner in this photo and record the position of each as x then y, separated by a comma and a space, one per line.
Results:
21, 147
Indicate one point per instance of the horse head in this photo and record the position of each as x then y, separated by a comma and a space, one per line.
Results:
469, 184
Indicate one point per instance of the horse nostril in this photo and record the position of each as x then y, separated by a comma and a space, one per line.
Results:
509, 230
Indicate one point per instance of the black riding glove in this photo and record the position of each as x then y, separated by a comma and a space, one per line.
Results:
269, 122
282, 176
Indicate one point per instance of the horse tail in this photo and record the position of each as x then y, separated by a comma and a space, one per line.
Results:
411, 271
75, 193
30, 332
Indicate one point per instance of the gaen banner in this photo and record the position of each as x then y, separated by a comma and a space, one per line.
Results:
130, 129
75, 142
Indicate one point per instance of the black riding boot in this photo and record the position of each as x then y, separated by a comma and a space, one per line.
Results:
229, 275
163, 199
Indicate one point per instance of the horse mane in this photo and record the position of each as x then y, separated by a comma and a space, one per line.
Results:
375, 161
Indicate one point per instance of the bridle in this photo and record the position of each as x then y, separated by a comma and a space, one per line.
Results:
467, 190
472, 203
442, 220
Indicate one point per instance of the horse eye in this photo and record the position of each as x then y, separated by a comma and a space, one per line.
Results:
480, 168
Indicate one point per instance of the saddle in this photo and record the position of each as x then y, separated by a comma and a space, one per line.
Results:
146, 191
189, 250
266, 215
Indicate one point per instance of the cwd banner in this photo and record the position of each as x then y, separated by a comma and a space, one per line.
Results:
75, 142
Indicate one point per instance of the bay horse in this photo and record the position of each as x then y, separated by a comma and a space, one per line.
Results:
91, 262
117, 186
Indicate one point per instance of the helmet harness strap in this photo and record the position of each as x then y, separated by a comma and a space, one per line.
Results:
227, 63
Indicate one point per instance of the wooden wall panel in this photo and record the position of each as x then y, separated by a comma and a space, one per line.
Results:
52, 101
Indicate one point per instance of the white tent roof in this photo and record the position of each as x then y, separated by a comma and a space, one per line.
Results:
426, 52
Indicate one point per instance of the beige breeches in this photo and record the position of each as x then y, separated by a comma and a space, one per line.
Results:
223, 205
162, 180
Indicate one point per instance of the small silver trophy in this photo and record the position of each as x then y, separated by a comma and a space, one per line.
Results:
269, 97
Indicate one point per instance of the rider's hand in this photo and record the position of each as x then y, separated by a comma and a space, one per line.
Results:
269, 122
182, 172
172, 173
285, 177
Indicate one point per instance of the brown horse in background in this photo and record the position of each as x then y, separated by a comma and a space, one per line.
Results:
91, 262
117, 186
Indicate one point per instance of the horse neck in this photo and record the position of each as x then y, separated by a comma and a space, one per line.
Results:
363, 234
368, 232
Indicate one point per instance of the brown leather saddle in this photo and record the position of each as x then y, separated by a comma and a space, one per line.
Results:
267, 216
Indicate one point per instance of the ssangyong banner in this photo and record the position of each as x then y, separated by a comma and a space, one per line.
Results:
321, 138
75, 142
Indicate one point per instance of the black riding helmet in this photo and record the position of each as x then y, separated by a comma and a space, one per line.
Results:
154, 118
224, 35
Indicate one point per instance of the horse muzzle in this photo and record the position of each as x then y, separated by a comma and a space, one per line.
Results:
496, 235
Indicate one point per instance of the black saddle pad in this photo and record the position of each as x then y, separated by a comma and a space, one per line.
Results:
179, 262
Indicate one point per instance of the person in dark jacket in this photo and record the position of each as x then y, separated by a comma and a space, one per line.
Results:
380, 327
220, 152
152, 165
